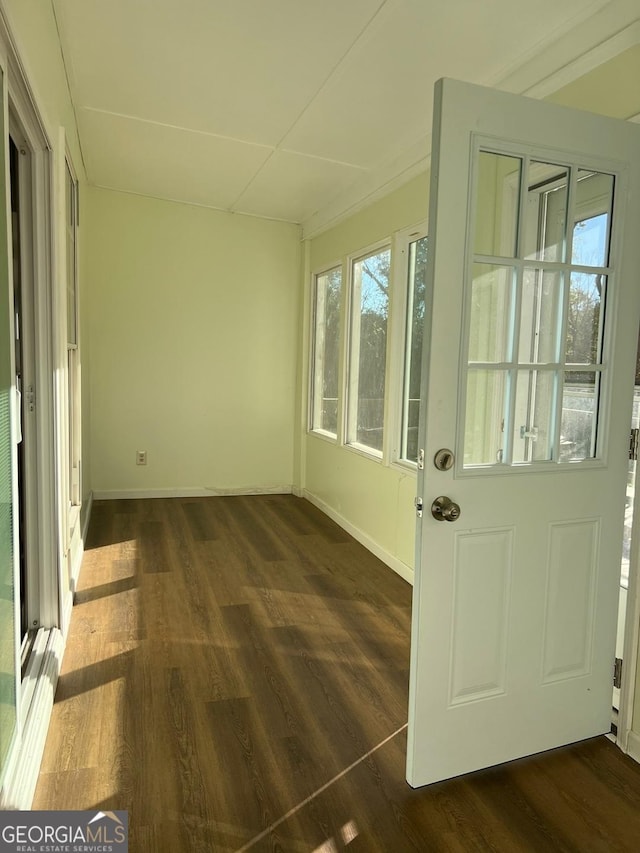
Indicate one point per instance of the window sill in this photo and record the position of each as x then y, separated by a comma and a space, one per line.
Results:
367, 452
405, 466
325, 436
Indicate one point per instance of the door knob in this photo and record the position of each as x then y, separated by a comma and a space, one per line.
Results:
444, 509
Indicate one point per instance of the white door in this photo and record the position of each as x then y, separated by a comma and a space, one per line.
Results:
534, 260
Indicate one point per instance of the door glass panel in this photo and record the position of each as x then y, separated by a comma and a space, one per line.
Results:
594, 197
533, 424
484, 426
578, 424
540, 316
490, 322
584, 318
551, 307
546, 212
7, 563
497, 204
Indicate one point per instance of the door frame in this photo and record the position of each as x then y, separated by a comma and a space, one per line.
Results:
35, 692
627, 739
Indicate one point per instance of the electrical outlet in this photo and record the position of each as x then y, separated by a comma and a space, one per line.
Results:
141, 457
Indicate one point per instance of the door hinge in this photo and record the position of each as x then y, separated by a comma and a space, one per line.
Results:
617, 673
633, 444
30, 398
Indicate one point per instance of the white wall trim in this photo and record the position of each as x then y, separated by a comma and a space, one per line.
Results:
18, 793
400, 568
590, 43
633, 746
189, 492
585, 63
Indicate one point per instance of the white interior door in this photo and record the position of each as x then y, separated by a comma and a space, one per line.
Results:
533, 274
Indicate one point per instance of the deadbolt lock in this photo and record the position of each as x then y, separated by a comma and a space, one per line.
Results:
444, 509
444, 459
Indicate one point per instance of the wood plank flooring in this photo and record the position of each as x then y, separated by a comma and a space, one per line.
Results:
236, 678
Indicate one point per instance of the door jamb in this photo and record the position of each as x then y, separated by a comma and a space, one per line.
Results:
25, 755
626, 738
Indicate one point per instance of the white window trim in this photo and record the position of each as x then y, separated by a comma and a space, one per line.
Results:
399, 329
311, 395
351, 381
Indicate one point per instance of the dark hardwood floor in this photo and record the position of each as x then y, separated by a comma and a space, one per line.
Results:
236, 678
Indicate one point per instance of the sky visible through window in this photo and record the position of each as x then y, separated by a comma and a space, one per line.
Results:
589, 241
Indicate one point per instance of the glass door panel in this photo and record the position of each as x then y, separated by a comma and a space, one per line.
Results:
490, 332
540, 316
497, 211
484, 425
534, 416
8, 592
594, 194
535, 325
544, 235
586, 296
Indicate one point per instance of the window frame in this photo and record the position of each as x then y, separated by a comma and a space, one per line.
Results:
399, 339
336, 438
352, 325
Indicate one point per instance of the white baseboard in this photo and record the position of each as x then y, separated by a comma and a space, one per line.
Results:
400, 568
633, 745
18, 793
190, 492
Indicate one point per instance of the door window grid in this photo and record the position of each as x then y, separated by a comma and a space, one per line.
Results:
501, 384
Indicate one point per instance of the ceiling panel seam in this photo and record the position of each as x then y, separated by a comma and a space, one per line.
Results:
189, 203
69, 89
334, 69
310, 101
178, 127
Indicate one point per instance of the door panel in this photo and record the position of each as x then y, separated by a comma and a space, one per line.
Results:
8, 523
530, 371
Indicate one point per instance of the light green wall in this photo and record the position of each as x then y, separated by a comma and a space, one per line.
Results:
611, 89
400, 209
373, 499
193, 345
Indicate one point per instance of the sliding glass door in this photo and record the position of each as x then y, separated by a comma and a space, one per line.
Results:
9, 672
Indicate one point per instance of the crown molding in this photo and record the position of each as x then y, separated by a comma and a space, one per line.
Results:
608, 32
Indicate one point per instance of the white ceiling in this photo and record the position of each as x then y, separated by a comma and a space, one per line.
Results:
290, 109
